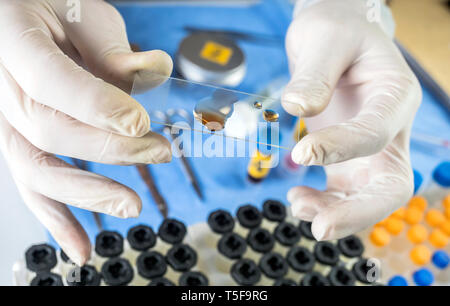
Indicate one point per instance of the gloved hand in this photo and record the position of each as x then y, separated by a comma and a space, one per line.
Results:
352, 82
50, 105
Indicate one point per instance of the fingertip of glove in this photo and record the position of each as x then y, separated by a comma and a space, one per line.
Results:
81, 255
320, 230
161, 153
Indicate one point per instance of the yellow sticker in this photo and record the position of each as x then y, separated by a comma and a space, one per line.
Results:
216, 53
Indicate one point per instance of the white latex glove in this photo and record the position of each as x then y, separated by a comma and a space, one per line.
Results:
349, 76
50, 105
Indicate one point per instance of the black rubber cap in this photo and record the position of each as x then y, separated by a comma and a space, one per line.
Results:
300, 259
109, 244
181, 257
340, 276
274, 210
172, 231
193, 279
40, 258
151, 265
249, 216
47, 279
260, 240
64, 256
161, 282
314, 279
141, 238
362, 269
273, 265
305, 230
117, 272
326, 253
221, 221
351, 246
285, 282
287, 234
245, 272
86, 276
232, 246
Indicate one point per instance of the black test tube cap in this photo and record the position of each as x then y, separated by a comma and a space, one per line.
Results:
273, 265
260, 240
340, 276
172, 231
232, 246
249, 216
40, 257
47, 279
361, 269
274, 210
300, 259
305, 230
151, 265
161, 282
181, 257
221, 221
88, 276
117, 272
193, 279
326, 253
284, 282
314, 279
287, 234
109, 244
64, 256
351, 246
141, 238
245, 272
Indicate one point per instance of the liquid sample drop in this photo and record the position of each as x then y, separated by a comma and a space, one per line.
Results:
270, 115
213, 112
257, 105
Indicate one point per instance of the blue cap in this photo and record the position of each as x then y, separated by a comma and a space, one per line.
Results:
440, 259
397, 280
423, 277
418, 179
441, 174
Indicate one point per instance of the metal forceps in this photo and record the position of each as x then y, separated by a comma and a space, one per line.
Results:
166, 121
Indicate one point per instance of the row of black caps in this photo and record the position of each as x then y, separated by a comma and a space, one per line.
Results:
181, 257
150, 264
274, 265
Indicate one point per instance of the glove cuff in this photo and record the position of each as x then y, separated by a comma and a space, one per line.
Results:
383, 17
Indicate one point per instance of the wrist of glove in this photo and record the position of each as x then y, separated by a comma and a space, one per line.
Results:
376, 11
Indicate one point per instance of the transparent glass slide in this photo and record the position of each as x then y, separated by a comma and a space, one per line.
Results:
176, 105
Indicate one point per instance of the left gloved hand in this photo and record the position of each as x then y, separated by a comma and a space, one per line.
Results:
350, 77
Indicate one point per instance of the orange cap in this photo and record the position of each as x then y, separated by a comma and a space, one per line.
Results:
418, 202
434, 217
413, 215
400, 213
438, 239
447, 213
446, 202
420, 255
417, 233
380, 236
394, 225
381, 223
445, 227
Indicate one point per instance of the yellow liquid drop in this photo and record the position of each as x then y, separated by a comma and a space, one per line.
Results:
270, 115
257, 105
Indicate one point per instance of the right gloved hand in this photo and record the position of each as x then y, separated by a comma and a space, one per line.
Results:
50, 105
